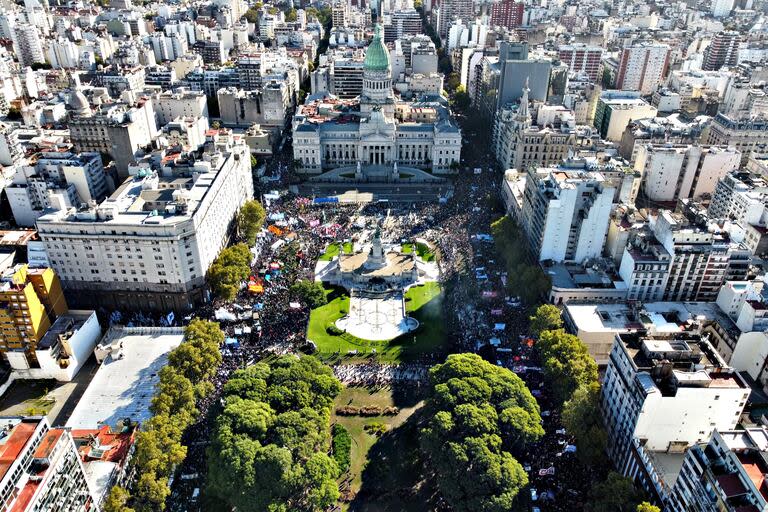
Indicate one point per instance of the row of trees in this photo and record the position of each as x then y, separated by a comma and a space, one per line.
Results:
233, 265
523, 278
185, 379
480, 417
269, 445
571, 375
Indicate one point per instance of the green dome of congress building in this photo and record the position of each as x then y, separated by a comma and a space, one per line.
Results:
377, 56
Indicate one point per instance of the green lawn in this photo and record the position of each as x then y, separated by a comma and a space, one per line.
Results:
333, 250
355, 425
423, 302
422, 251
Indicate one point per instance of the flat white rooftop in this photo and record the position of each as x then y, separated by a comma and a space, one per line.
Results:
125, 382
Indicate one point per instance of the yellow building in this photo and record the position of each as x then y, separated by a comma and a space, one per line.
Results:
30, 300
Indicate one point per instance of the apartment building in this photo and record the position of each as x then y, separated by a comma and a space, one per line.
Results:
726, 473
519, 144
672, 172
267, 106
642, 67
564, 213
662, 394
746, 134
30, 301
150, 244
581, 58
723, 51
41, 468
120, 131
740, 196
677, 258
182, 102
401, 23
616, 109
507, 13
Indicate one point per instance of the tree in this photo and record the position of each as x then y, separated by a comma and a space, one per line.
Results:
527, 281
290, 16
461, 99
647, 507
581, 418
615, 494
268, 448
479, 415
546, 318
250, 220
453, 82
254, 162
13, 113
566, 363
310, 292
228, 270
117, 500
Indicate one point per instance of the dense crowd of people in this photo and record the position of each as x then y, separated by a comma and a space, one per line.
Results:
481, 316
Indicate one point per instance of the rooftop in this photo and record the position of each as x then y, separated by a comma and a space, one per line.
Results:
124, 384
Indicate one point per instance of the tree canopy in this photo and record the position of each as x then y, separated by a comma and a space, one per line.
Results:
546, 318
566, 363
647, 507
523, 278
582, 419
231, 268
185, 379
479, 416
250, 220
310, 292
269, 446
615, 494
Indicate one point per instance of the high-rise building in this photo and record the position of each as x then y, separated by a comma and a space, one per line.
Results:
721, 8
451, 10
581, 58
150, 244
402, 23
40, 468
30, 300
742, 197
642, 67
517, 72
120, 131
726, 473
672, 172
661, 394
339, 13
27, 44
723, 51
507, 13
565, 213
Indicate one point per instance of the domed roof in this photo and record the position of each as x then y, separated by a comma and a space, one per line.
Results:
377, 56
78, 102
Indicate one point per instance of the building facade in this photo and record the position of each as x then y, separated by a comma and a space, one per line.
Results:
686, 171
565, 213
330, 133
642, 67
42, 468
150, 244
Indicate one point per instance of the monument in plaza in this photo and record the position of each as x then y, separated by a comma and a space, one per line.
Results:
376, 275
